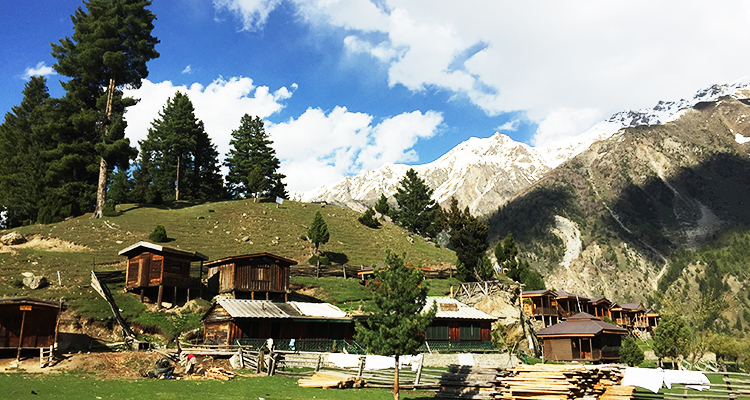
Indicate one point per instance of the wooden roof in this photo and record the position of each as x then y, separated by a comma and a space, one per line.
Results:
251, 256
34, 302
581, 324
142, 247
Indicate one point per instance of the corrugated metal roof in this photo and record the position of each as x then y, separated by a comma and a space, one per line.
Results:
581, 324
253, 309
454, 309
318, 310
268, 309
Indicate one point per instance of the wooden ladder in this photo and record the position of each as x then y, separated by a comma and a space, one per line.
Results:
46, 356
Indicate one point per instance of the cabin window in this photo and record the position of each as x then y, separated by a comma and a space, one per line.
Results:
260, 273
437, 333
471, 332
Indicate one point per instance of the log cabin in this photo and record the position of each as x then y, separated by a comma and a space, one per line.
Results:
457, 322
251, 275
542, 305
569, 304
152, 268
231, 319
28, 323
630, 315
599, 307
582, 337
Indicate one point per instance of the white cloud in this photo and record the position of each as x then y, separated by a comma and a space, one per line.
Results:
187, 70
317, 149
253, 13
41, 69
564, 122
220, 106
560, 61
510, 126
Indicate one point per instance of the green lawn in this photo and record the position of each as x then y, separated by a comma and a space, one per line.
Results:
85, 386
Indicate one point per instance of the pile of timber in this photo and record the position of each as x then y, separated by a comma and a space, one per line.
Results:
219, 373
618, 393
466, 382
557, 382
331, 380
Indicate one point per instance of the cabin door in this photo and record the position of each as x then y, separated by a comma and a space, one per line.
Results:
143, 268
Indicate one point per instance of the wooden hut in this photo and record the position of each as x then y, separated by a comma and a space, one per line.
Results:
457, 322
599, 307
231, 319
630, 315
28, 323
542, 305
244, 277
569, 303
152, 267
582, 337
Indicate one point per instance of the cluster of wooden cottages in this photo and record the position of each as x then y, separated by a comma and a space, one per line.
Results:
253, 304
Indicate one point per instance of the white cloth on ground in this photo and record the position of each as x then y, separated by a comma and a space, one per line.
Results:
373, 362
686, 378
466, 359
647, 378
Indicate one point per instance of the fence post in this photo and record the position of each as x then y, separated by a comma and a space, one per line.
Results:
361, 366
242, 357
259, 368
320, 361
419, 369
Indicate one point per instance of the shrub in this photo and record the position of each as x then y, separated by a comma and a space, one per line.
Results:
109, 209
630, 353
367, 219
323, 260
159, 235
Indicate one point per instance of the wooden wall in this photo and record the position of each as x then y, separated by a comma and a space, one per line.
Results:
152, 269
558, 349
454, 328
38, 328
249, 275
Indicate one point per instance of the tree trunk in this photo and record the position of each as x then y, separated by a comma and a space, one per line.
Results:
395, 381
101, 189
177, 181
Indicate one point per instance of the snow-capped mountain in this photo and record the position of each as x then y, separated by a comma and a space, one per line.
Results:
485, 173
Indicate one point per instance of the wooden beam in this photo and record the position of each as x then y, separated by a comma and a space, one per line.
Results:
20, 336
159, 297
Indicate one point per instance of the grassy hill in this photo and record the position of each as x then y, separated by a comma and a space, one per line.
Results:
221, 229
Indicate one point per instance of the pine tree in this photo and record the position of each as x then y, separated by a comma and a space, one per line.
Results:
506, 252
24, 138
108, 50
382, 205
397, 325
250, 149
318, 234
416, 209
468, 236
672, 337
177, 157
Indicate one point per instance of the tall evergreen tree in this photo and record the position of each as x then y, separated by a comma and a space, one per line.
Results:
108, 50
416, 209
468, 236
251, 149
177, 157
24, 139
397, 325
382, 205
318, 234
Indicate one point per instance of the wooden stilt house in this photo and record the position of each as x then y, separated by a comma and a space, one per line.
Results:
542, 305
154, 268
28, 323
250, 276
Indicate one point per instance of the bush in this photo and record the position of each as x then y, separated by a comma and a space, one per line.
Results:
159, 235
323, 260
630, 353
367, 219
109, 209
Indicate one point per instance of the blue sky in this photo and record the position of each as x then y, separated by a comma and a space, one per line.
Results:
347, 85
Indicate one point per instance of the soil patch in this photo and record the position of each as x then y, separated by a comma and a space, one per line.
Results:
44, 243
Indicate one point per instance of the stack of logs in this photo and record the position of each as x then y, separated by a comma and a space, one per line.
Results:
220, 373
540, 381
331, 380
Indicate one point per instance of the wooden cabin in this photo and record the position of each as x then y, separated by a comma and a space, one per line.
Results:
599, 307
582, 337
542, 305
652, 319
457, 322
152, 268
231, 319
250, 275
28, 323
569, 304
630, 315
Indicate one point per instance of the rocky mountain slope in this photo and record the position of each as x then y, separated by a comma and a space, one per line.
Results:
485, 173
607, 221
